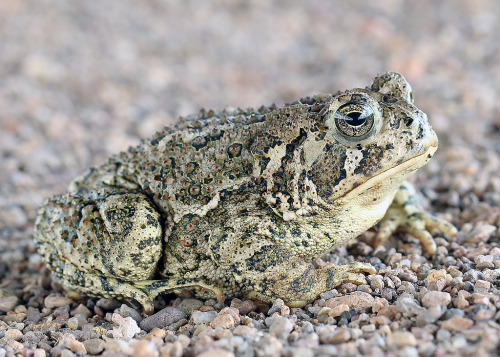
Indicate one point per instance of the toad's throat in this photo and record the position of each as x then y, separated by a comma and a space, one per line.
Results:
410, 165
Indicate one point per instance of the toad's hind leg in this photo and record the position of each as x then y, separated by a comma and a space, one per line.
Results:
101, 244
144, 292
77, 282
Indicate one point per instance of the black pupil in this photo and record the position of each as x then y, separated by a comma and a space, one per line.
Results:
357, 118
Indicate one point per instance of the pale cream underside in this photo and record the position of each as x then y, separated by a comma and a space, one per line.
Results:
417, 161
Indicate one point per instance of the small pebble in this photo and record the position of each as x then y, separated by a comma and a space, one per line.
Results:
356, 299
156, 332
119, 345
242, 329
408, 306
340, 336
77, 346
482, 286
38, 352
436, 298
457, 323
453, 312
380, 320
481, 233
400, 339
83, 310
244, 307
429, 316
338, 310
127, 311
72, 323
56, 300
8, 303
127, 327
187, 306
484, 262
14, 334
280, 307
281, 327
436, 280
203, 317
484, 314
162, 318
94, 346
481, 299
108, 304
223, 321
144, 348
66, 353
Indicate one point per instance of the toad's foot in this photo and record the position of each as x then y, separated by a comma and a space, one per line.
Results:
339, 274
144, 292
405, 214
154, 288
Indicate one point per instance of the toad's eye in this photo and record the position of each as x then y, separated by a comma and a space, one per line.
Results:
354, 119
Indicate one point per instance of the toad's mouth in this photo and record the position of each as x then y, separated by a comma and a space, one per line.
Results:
410, 166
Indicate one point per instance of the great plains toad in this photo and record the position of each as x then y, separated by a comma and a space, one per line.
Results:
239, 202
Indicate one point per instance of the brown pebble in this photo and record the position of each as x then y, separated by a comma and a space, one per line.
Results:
378, 304
20, 309
461, 300
14, 334
76, 346
83, 310
205, 308
436, 280
235, 313
340, 336
338, 310
156, 332
401, 339
222, 334
457, 323
242, 329
482, 286
56, 300
481, 299
244, 307
223, 321
356, 299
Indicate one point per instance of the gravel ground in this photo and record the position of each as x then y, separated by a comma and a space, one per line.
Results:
82, 80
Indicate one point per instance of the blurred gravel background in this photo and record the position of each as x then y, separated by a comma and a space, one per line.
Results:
81, 80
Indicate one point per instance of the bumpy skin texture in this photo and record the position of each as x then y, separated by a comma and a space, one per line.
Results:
239, 202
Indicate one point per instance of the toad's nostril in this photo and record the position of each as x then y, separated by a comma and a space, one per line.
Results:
408, 121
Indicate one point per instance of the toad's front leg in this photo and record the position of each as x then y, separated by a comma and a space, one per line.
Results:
266, 271
407, 215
